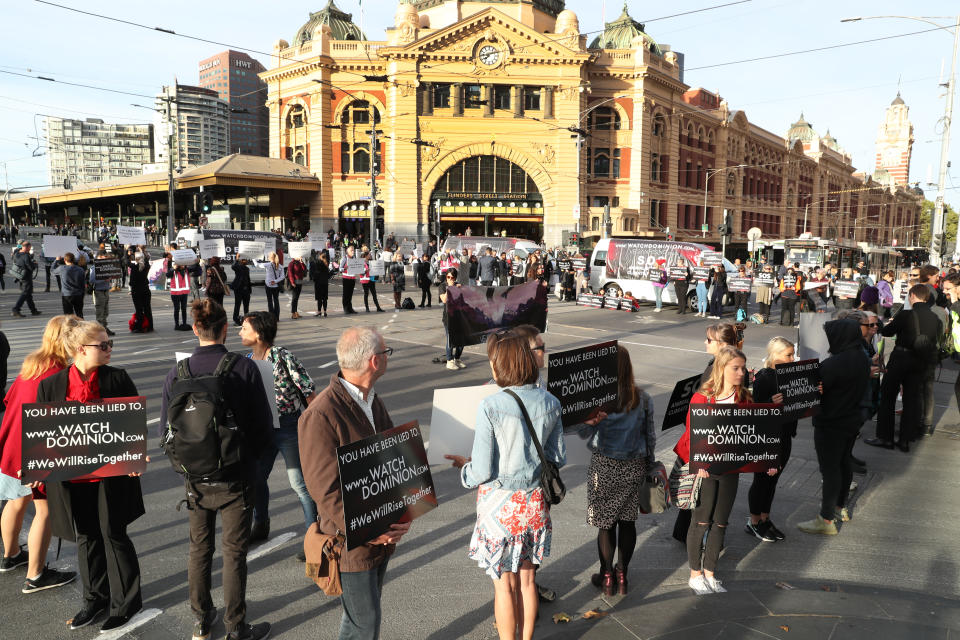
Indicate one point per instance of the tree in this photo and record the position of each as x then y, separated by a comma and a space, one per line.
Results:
926, 214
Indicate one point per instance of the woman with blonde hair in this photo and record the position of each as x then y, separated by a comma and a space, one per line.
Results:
51, 357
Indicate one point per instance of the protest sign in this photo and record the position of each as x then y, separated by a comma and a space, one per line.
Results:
737, 283
735, 438
406, 248
579, 264
384, 479
475, 312
266, 376
355, 266
904, 291
452, 420
377, 268
584, 380
701, 274
35, 233
184, 257
131, 235
798, 382
251, 249
846, 288
83, 440
57, 246
789, 281
212, 248
318, 241
679, 273
680, 401
766, 279
711, 258
563, 264
299, 249
107, 269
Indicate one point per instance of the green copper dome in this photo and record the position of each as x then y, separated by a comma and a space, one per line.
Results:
340, 23
801, 130
550, 7
620, 33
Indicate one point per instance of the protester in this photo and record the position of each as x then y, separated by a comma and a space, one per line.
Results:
397, 278
24, 270
96, 513
347, 410
101, 296
273, 281
215, 280
296, 272
708, 524
660, 280
623, 445
454, 351
229, 491
680, 287
52, 357
764, 294
718, 281
845, 376
140, 291
424, 277
73, 283
178, 279
320, 274
487, 267
369, 284
741, 299
885, 291
790, 286
513, 530
294, 391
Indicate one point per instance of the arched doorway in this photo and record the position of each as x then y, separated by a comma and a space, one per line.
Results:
487, 195
354, 219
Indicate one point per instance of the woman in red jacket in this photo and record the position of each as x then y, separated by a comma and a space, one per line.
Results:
717, 493
296, 272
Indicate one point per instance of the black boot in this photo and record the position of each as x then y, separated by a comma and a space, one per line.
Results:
260, 530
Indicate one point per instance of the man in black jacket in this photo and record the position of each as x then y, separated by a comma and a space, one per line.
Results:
424, 281
912, 361
231, 494
27, 266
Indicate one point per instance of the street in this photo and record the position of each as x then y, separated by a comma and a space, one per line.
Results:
897, 560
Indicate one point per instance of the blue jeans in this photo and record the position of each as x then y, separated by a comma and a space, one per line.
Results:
453, 352
701, 297
284, 442
658, 292
361, 603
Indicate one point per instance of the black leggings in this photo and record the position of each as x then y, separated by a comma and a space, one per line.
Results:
295, 297
833, 453
369, 288
425, 296
622, 537
765, 486
717, 494
179, 308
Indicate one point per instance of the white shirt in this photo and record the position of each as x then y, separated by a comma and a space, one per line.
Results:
366, 405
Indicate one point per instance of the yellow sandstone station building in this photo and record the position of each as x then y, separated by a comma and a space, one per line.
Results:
501, 117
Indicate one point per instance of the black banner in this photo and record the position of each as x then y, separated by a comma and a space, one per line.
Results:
679, 273
584, 380
711, 258
846, 288
701, 274
627, 259
766, 279
384, 479
83, 440
232, 238
579, 264
107, 269
737, 283
799, 383
735, 438
789, 281
680, 402
475, 312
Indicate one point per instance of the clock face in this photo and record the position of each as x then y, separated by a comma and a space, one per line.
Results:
488, 55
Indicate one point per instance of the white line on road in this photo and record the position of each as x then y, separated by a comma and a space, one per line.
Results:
153, 420
638, 344
138, 620
136, 353
186, 341
270, 545
328, 364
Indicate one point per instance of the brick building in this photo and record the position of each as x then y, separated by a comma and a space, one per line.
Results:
235, 77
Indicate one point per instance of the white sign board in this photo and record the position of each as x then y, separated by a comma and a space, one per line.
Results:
318, 241
576, 212
184, 257
377, 268
299, 249
355, 266
212, 248
131, 235
56, 246
251, 249
266, 375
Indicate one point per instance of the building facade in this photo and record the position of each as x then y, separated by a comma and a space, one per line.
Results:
91, 150
498, 116
235, 77
200, 124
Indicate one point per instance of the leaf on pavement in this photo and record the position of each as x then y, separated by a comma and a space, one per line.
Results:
594, 613
786, 586
785, 627
561, 618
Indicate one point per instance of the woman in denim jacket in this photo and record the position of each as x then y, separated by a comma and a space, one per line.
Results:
513, 528
623, 449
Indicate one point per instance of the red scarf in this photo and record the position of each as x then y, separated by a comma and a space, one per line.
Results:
81, 390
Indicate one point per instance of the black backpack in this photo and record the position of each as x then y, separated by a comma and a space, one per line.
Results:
408, 304
202, 440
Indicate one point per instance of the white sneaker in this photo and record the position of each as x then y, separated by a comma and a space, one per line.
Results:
700, 586
452, 365
460, 364
715, 585
657, 310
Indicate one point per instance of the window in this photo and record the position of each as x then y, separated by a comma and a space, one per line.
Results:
441, 96
531, 98
601, 163
472, 96
501, 97
296, 118
659, 126
655, 168
599, 258
654, 213
486, 174
616, 163
615, 202
604, 119
359, 113
599, 201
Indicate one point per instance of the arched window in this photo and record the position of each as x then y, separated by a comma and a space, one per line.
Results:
297, 117
358, 112
486, 174
601, 163
604, 119
355, 142
300, 158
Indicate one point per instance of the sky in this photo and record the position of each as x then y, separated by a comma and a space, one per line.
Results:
845, 89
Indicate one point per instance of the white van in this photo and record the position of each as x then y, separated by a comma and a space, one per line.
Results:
619, 264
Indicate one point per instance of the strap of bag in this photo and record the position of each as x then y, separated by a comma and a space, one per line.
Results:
225, 366
526, 419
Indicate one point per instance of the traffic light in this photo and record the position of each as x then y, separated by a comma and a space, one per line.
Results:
670, 237
726, 229
34, 205
206, 203
937, 244
376, 162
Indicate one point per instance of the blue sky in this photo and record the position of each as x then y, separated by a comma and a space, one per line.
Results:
845, 90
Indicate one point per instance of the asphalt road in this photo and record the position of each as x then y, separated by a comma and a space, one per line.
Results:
902, 536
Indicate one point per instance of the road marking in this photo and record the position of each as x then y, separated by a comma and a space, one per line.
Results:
638, 344
153, 420
270, 545
384, 327
138, 620
136, 353
329, 364
186, 341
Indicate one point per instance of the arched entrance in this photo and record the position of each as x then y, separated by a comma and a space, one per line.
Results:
354, 219
487, 195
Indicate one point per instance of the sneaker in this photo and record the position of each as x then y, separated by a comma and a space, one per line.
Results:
460, 364
250, 632
773, 531
759, 531
853, 486
11, 563
700, 586
201, 630
715, 585
843, 515
90, 612
48, 579
115, 622
452, 365
17, 314
818, 526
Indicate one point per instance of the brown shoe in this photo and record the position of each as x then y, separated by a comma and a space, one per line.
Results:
621, 576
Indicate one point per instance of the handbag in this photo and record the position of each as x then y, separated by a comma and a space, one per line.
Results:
226, 289
684, 486
296, 388
322, 551
553, 487
654, 497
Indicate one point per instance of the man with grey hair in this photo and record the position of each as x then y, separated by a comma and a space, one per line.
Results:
346, 411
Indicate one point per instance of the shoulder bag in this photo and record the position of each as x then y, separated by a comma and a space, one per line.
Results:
226, 289
654, 497
296, 387
684, 486
322, 551
553, 487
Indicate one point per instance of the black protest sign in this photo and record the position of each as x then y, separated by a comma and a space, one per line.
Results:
738, 283
384, 480
579, 264
680, 402
789, 281
765, 279
678, 273
107, 269
904, 290
701, 274
83, 440
563, 264
799, 383
584, 380
735, 438
711, 258
846, 288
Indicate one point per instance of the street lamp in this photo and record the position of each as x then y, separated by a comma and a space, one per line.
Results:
706, 192
938, 223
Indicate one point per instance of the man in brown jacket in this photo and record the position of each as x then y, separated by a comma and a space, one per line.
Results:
346, 411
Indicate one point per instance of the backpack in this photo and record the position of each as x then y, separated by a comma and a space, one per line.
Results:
741, 315
408, 304
202, 440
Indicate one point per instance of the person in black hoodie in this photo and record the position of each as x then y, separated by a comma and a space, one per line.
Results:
718, 278
845, 376
241, 289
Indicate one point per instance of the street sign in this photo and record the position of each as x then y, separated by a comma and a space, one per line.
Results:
704, 228
203, 221
576, 211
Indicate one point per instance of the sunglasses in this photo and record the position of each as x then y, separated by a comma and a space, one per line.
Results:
106, 345
869, 324
386, 352
541, 347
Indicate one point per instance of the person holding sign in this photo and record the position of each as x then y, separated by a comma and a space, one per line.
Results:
96, 513
454, 351
680, 284
142, 321
623, 444
241, 289
178, 280
349, 274
369, 284
272, 281
320, 274
513, 530
101, 295
397, 278
296, 272
215, 281
717, 493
